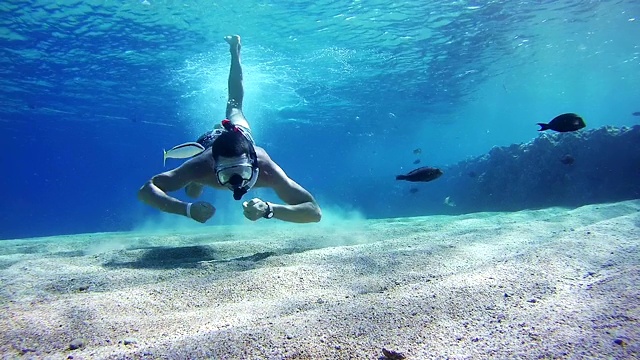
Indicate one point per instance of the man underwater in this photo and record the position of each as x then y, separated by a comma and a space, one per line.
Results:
231, 160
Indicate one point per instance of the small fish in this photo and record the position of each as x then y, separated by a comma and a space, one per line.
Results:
182, 151
567, 159
564, 123
423, 174
417, 151
416, 161
472, 174
636, 113
413, 190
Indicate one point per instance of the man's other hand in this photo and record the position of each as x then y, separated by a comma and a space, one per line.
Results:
254, 209
202, 211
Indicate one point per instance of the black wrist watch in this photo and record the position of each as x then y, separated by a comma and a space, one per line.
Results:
269, 213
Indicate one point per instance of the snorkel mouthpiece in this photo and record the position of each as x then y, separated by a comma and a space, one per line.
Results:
239, 193
238, 190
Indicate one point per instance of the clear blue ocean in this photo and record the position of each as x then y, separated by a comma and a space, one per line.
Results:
340, 93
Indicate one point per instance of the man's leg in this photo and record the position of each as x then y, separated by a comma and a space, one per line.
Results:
236, 91
193, 190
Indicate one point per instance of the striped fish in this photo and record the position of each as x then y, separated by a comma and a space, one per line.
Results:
182, 151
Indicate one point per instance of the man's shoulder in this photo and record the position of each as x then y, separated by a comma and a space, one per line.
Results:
198, 166
270, 170
263, 156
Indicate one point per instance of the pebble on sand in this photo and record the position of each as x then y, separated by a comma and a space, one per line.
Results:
129, 341
76, 344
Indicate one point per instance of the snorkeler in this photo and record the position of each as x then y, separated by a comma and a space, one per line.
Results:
232, 161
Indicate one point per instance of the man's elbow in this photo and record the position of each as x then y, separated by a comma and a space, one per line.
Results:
144, 191
316, 214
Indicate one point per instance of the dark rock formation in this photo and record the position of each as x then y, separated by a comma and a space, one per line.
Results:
606, 168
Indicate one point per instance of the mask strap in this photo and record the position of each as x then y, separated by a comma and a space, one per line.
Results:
229, 126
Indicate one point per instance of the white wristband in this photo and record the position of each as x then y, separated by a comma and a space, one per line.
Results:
188, 210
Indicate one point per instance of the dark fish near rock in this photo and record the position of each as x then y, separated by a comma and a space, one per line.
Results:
637, 113
564, 123
423, 174
567, 159
413, 190
416, 161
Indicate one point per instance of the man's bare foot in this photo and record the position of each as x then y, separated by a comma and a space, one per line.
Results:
233, 40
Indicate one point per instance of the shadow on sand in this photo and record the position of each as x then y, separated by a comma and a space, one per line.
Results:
181, 257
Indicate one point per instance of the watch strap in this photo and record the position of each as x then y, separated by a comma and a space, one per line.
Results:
269, 213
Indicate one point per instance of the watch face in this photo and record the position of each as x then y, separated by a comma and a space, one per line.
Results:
269, 213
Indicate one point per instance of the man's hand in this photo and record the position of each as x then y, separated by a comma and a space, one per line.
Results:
254, 209
202, 211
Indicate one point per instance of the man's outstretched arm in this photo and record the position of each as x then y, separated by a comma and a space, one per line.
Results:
300, 205
305, 212
154, 192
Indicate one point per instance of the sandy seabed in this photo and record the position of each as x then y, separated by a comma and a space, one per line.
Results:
552, 283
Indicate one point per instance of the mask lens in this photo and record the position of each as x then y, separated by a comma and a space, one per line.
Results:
244, 171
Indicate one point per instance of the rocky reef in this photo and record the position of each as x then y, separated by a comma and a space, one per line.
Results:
555, 169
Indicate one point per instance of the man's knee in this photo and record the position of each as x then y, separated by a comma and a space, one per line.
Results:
193, 190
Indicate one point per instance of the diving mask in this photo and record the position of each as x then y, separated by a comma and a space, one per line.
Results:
240, 175
236, 174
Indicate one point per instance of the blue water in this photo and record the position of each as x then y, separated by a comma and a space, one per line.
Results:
339, 93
